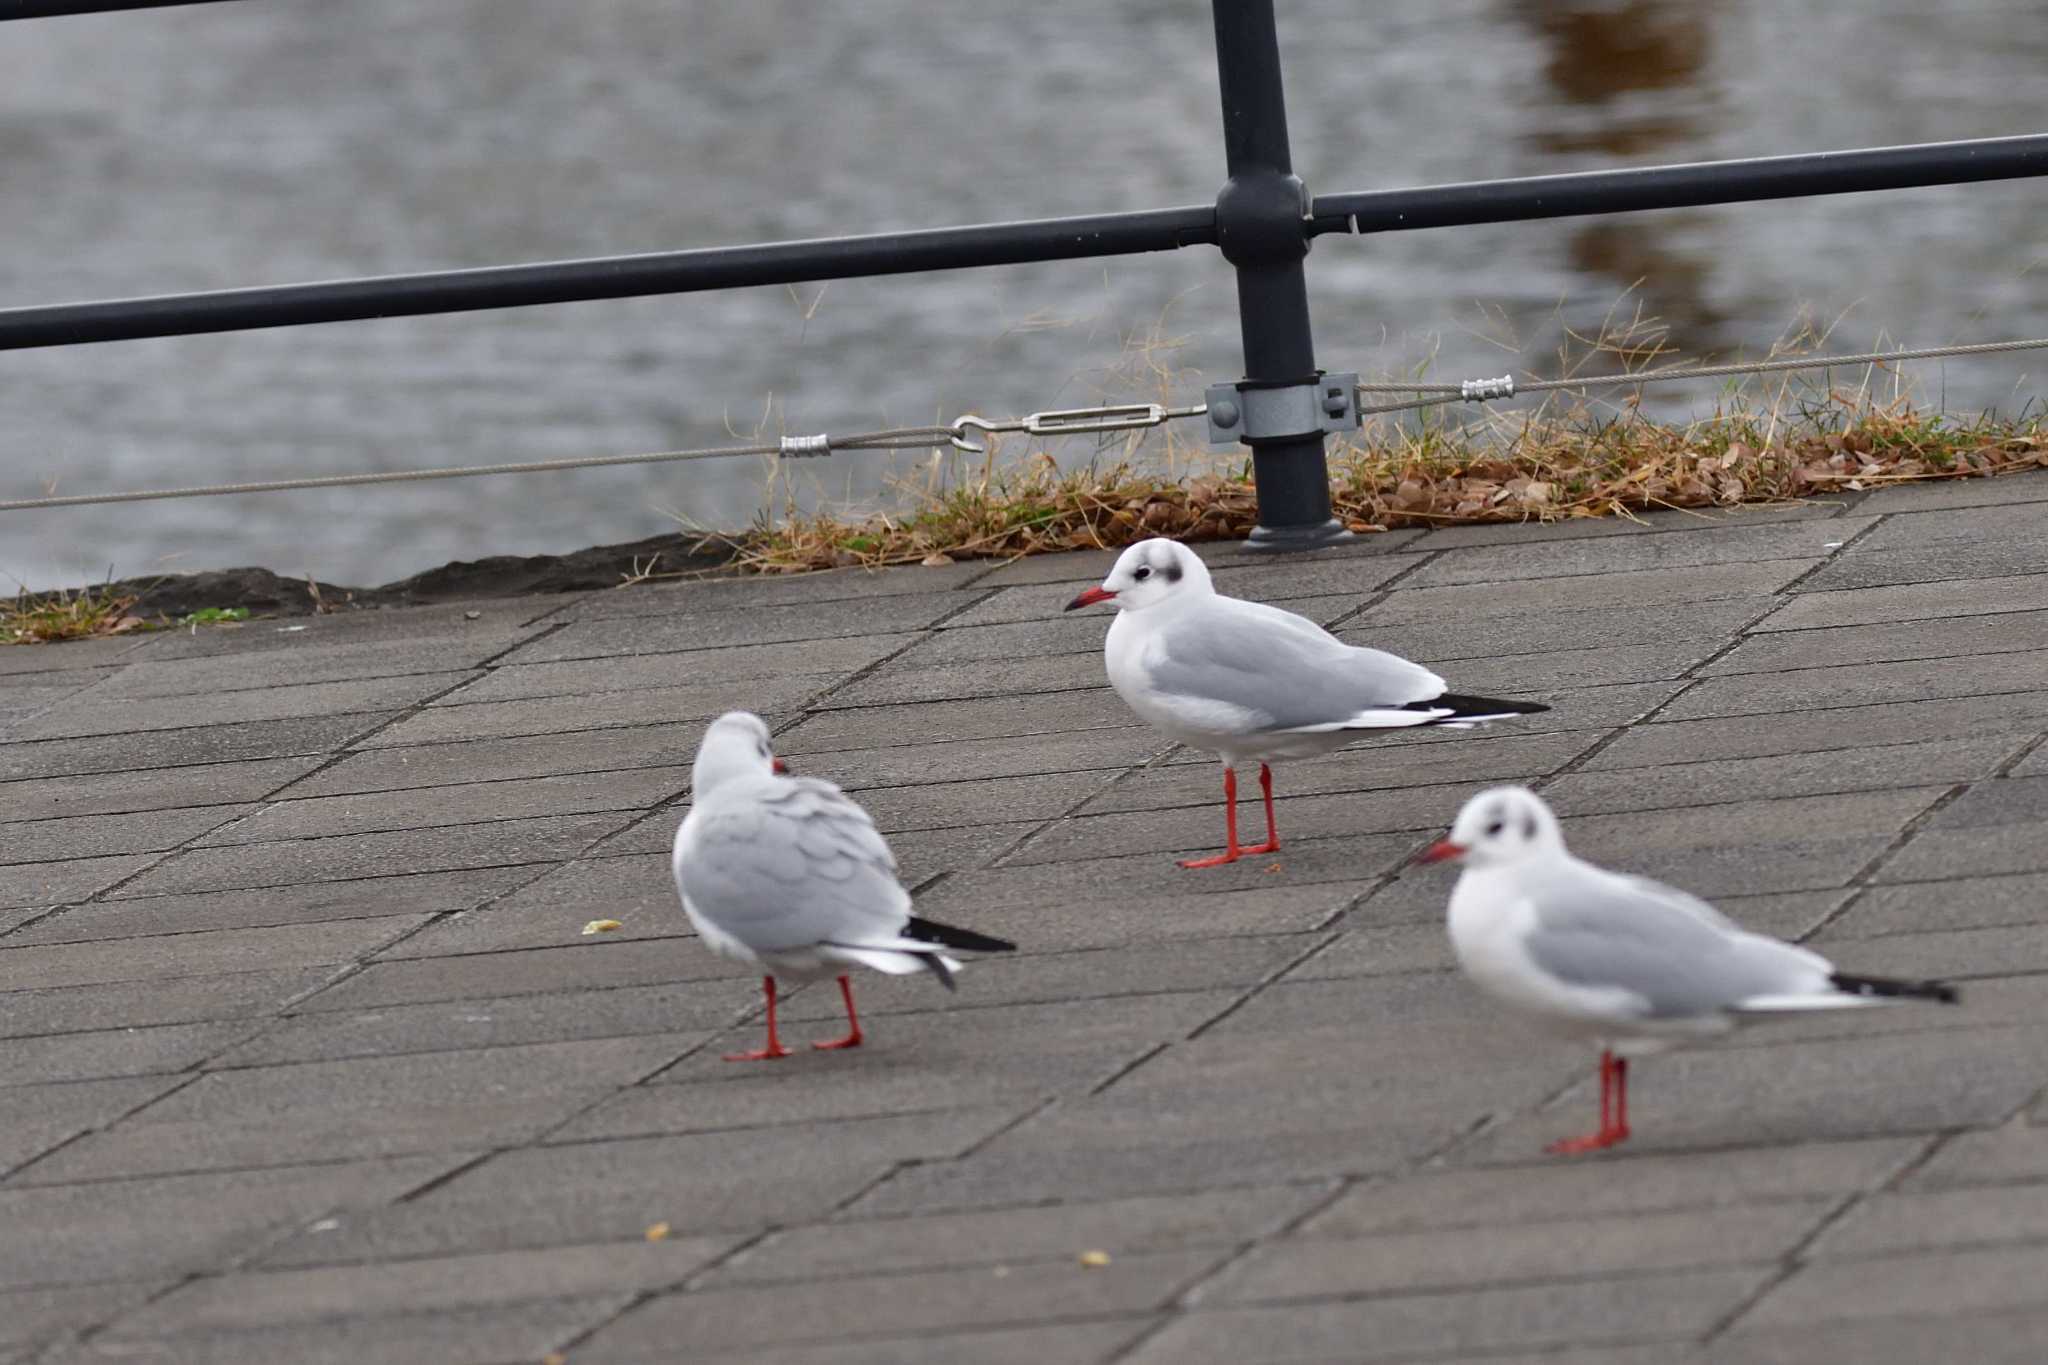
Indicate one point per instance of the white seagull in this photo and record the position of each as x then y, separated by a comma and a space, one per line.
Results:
1631, 964
1247, 681
791, 874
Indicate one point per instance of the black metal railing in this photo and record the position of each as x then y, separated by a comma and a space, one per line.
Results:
1264, 221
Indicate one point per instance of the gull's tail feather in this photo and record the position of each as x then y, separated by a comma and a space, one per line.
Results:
947, 936
1890, 988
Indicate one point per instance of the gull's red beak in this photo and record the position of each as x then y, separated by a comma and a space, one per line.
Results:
1442, 851
781, 768
1089, 598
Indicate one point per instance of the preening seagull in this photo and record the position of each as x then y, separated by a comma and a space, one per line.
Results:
789, 873
1243, 680
1631, 964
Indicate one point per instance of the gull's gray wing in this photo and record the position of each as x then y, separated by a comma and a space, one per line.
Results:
1595, 929
1285, 672
788, 863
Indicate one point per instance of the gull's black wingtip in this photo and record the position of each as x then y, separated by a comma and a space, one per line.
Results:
1941, 992
947, 936
1463, 704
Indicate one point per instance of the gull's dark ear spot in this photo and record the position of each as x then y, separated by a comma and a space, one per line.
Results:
1529, 827
1174, 572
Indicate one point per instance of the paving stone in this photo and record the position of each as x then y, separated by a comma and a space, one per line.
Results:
1070, 1343
500, 843
1120, 1227
360, 1107
1300, 862
1849, 727
162, 789
549, 911
98, 836
37, 1118
1823, 690
1561, 671
1079, 566
1715, 781
1975, 542
1889, 1223
452, 1336
1946, 953
181, 1224
309, 660
1624, 1184
1322, 593
1985, 831
701, 1183
1966, 637
1501, 755
581, 678
460, 804
667, 633
1636, 524
834, 1310
174, 1000
932, 722
174, 748
53, 965
114, 1052
1087, 911
748, 592
1940, 601
978, 759
769, 697
59, 883
1396, 1262
429, 893
1459, 1325
28, 1315
83, 716
908, 679
2015, 1151
1956, 1281
1497, 637
1625, 554
68, 654
275, 1297
1959, 903
1980, 1338
1514, 595
499, 760
485, 618
685, 1011
576, 966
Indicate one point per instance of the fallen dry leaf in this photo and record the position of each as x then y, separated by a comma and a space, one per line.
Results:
657, 1232
602, 926
1095, 1260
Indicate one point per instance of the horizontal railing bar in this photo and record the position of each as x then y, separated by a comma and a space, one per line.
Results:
614, 277
53, 9
1684, 186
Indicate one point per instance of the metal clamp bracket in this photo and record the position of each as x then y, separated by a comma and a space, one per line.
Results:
1241, 414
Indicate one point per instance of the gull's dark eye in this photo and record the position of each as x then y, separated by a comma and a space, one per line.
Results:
1493, 830
1144, 572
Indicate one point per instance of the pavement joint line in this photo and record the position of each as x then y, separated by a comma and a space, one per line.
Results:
2018, 756
1840, 551
1944, 618
1790, 1262
1864, 877
682, 1285
8, 1173
1257, 988
382, 715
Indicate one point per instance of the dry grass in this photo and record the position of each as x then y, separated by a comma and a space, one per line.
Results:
41, 618
1569, 456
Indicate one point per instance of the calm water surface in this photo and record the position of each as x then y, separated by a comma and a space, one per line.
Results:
246, 144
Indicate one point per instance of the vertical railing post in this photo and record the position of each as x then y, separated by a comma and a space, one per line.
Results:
1261, 220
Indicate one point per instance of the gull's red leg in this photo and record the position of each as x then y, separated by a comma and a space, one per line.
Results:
1613, 1111
775, 1048
1272, 844
1231, 851
852, 1038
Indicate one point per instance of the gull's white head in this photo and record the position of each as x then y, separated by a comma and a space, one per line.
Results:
1499, 826
735, 746
1148, 573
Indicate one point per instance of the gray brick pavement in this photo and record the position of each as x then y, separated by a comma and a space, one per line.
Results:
306, 1058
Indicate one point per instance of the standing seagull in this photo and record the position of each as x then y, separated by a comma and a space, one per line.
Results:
789, 873
1632, 964
1244, 680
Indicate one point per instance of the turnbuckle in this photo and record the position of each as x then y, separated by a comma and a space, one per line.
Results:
1068, 421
